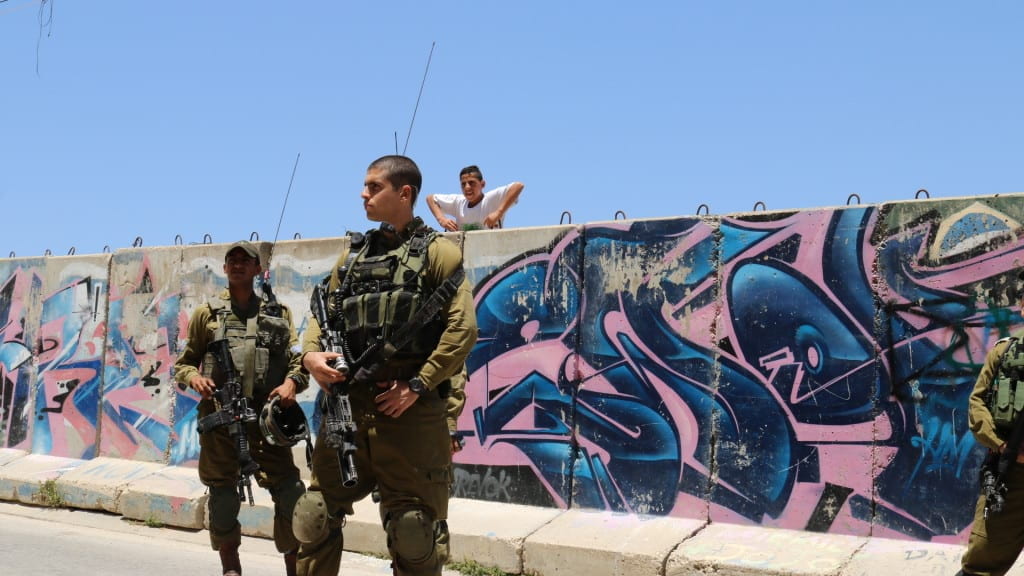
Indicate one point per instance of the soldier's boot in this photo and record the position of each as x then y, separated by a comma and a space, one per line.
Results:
289, 564
229, 561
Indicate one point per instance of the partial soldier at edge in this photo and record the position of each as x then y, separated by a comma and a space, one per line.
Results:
997, 534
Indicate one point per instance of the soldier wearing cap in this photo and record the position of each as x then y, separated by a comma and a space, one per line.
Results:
264, 345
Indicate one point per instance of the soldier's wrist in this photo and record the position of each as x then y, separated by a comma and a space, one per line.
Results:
417, 385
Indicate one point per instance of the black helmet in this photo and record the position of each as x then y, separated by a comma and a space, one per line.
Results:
282, 426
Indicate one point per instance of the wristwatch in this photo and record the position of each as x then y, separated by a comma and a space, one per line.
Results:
416, 385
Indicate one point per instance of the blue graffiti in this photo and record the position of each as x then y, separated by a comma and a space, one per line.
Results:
801, 346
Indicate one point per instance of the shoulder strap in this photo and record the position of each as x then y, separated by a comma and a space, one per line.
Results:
216, 304
358, 244
218, 309
1011, 348
249, 358
421, 240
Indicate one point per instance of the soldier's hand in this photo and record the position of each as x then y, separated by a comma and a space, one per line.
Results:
396, 397
203, 385
285, 391
319, 365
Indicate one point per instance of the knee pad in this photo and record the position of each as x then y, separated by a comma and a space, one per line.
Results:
224, 506
410, 535
310, 520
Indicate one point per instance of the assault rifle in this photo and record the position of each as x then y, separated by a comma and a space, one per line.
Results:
340, 428
993, 471
234, 412
992, 487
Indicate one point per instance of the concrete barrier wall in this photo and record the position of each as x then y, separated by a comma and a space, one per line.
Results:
805, 370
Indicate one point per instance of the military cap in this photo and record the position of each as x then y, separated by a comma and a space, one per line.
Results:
247, 247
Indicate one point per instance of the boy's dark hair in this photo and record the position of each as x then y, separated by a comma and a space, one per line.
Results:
472, 170
400, 170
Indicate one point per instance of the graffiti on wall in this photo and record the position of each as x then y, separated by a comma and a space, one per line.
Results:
805, 370
142, 345
19, 286
69, 364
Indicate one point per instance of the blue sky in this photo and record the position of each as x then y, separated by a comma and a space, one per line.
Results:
184, 119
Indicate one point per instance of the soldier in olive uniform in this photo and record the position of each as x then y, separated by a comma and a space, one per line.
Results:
264, 346
997, 538
403, 442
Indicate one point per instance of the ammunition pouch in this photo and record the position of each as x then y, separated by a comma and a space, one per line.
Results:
1006, 400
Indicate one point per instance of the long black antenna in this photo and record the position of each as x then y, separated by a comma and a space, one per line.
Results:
431, 55
281, 218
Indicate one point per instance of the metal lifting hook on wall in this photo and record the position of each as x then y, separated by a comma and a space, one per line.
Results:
71, 252
851, 197
617, 212
297, 236
47, 253
761, 204
707, 210
138, 242
207, 239
564, 214
254, 237
918, 195
178, 240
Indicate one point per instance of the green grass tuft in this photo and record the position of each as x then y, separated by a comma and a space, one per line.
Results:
154, 522
472, 568
49, 495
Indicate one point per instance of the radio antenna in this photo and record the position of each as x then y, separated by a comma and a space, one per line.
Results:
268, 290
281, 218
427, 69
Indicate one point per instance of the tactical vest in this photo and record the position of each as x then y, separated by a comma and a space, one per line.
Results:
380, 294
259, 347
1006, 399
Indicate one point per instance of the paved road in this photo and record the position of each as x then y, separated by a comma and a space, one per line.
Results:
57, 542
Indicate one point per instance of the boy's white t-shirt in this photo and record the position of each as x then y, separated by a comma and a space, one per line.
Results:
456, 206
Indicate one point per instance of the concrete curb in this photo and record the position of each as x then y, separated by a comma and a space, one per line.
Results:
748, 550
172, 496
22, 478
514, 538
495, 534
97, 484
584, 542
